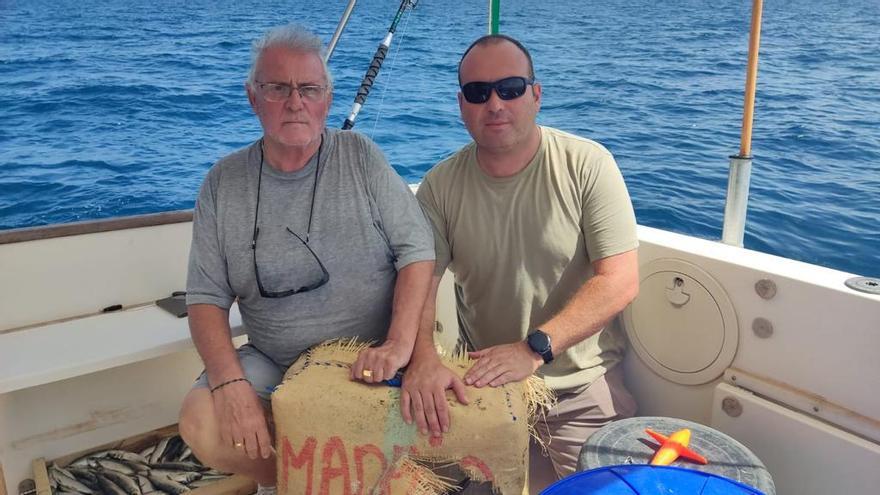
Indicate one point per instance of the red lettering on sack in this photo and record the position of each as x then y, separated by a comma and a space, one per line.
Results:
335, 446
360, 453
399, 452
306, 457
474, 462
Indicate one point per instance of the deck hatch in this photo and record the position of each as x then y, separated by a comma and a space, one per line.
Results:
682, 324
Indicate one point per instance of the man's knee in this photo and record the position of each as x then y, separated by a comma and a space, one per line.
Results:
196, 423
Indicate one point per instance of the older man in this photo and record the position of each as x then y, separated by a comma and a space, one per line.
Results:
315, 236
537, 227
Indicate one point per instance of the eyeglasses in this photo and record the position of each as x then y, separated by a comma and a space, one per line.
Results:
281, 92
508, 88
316, 281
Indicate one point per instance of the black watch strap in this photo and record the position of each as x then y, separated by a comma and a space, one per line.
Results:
539, 342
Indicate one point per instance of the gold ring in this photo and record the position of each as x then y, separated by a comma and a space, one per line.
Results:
368, 373
238, 445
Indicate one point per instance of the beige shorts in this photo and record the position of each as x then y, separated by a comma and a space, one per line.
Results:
579, 413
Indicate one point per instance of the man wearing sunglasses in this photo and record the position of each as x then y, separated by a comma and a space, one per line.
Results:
537, 227
315, 236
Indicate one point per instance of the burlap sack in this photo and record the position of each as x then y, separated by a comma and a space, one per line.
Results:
335, 436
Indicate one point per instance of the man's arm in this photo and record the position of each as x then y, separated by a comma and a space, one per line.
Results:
212, 336
410, 292
239, 412
423, 394
615, 284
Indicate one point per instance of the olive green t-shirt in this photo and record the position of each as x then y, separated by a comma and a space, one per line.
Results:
520, 246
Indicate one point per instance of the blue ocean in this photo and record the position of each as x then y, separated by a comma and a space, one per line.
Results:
119, 107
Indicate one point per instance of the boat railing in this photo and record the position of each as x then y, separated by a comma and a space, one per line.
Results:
93, 226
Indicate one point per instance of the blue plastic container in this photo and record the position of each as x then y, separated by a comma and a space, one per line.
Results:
643, 479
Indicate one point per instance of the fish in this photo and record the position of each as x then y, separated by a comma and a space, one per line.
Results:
123, 455
147, 452
167, 485
159, 450
86, 459
108, 487
187, 452
111, 465
67, 482
178, 476
172, 451
130, 486
145, 485
62, 470
85, 476
179, 466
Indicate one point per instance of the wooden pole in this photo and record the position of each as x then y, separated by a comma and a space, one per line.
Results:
745, 149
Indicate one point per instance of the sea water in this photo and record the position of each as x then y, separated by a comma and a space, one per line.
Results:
119, 107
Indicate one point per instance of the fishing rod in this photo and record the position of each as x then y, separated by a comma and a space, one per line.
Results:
343, 21
376, 65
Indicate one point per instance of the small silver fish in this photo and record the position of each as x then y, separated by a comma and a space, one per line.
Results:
82, 474
84, 460
122, 455
147, 452
130, 486
62, 470
172, 451
111, 465
145, 485
108, 487
160, 450
187, 452
167, 485
67, 481
178, 476
179, 466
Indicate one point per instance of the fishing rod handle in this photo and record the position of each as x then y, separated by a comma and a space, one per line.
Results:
370, 76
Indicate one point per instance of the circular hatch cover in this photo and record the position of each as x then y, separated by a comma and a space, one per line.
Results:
682, 324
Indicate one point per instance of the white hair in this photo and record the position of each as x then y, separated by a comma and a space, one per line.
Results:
294, 37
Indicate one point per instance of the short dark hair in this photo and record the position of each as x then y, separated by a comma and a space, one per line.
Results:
494, 39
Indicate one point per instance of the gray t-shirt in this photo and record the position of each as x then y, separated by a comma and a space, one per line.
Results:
366, 225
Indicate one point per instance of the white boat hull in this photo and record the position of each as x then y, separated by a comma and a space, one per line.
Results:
807, 394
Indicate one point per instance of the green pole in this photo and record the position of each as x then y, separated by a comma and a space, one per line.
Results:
494, 15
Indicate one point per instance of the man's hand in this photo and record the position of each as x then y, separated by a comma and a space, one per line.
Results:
243, 420
502, 364
423, 395
375, 364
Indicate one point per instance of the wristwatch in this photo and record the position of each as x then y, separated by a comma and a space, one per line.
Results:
539, 342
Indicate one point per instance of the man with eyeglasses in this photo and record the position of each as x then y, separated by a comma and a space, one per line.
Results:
537, 227
315, 236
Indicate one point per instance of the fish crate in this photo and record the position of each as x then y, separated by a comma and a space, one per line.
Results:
229, 485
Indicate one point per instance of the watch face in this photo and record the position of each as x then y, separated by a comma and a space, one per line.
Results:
539, 342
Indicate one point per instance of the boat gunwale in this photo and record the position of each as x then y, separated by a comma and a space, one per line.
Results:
41, 232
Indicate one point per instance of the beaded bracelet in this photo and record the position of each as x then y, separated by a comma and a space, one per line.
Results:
227, 382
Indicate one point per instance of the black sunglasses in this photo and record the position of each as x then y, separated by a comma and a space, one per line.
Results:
508, 88
325, 276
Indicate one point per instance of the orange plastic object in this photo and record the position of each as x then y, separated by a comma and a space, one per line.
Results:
673, 447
